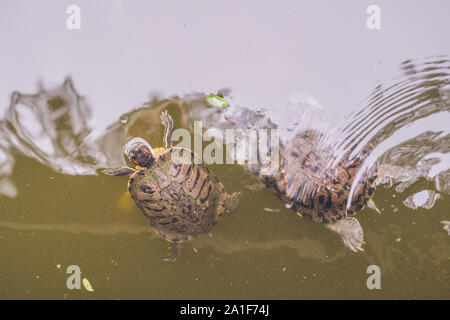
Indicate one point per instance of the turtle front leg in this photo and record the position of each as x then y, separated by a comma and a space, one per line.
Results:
122, 171
232, 202
174, 252
350, 231
167, 122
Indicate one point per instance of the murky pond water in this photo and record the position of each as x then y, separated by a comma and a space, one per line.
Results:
129, 62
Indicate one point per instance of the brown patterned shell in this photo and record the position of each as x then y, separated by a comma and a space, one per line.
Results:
181, 201
316, 189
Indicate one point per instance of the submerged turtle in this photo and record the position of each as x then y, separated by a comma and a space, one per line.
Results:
316, 184
320, 191
182, 199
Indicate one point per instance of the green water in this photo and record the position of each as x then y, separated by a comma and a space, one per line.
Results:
62, 220
57, 209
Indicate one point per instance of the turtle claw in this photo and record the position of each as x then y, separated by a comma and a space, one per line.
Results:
351, 233
170, 258
352, 247
174, 252
371, 204
348, 245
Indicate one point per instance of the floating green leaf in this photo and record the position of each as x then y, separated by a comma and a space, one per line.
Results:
216, 101
87, 285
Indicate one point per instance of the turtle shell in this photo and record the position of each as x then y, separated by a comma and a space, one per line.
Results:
318, 188
181, 200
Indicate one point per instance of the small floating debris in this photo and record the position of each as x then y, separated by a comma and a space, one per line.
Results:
446, 226
271, 210
216, 101
423, 199
87, 285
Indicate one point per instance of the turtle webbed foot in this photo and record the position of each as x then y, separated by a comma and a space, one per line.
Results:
350, 231
232, 202
174, 252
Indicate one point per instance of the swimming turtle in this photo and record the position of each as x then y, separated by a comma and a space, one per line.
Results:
180, 196
311, 175
315, 189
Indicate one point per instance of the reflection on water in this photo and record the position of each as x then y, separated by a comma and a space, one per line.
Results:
50, 126
104, 229
424, 199
405, 123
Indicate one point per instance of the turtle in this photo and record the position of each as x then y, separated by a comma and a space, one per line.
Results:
311, 175
314, 189
181, 199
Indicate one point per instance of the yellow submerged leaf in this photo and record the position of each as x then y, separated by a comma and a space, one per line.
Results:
125, 202
87, 285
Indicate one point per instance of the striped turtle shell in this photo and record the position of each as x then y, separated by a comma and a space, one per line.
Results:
181, 200
316, 189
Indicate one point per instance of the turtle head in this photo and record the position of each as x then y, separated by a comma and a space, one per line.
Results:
139, 152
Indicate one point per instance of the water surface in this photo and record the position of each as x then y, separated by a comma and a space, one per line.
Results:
132, 60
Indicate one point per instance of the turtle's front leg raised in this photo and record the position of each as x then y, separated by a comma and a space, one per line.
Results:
167, 122
350, 231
